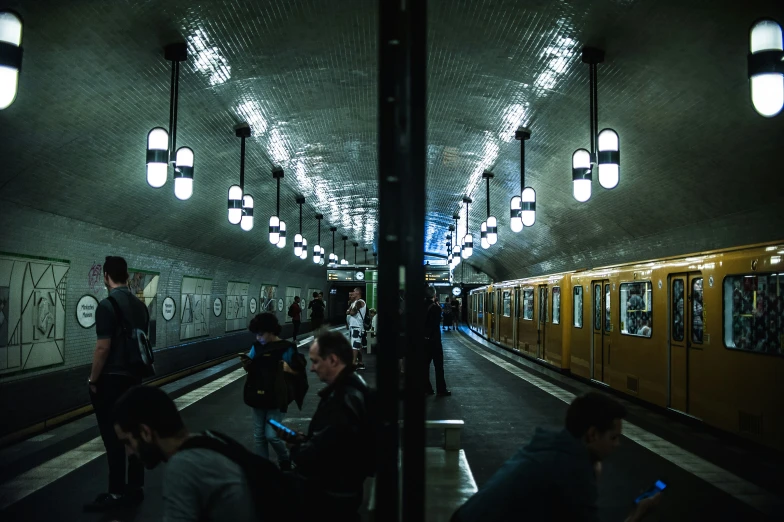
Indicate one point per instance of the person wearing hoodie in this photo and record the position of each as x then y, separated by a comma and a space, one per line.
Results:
560, 466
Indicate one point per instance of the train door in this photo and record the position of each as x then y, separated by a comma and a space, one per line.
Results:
541, 327
602, 326
515, 316
686, 323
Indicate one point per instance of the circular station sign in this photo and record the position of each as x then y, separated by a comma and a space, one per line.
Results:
253, 305
86, 309
280, 305
217, 306
169, 308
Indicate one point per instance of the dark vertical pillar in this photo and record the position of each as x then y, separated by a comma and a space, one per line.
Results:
402, 135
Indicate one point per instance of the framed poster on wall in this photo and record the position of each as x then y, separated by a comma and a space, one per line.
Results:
195, 307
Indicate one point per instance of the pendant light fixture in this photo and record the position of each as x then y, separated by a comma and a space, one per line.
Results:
282, 240
456, 250
10, 56
236, 192
333, 257
298, 237
274, 222
526, 202
605, 145
304, 254
366, 251
468, 240
162, 144
489, 227
766, 67
318, 252
343, 261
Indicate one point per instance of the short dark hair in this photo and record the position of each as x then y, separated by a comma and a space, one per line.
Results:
358, 289
151, 406
315, 294
334, 342
265, 323
117, 269
296, 298
593, 409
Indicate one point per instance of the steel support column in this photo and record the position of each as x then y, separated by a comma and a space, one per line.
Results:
401, 152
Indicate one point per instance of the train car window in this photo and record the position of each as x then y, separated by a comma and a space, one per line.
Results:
507, 302
578, 306
528, 304
696, 311
480, 305
636, 308
542, 304
607, 316
556, 305
597, 307
754, 313
677, 310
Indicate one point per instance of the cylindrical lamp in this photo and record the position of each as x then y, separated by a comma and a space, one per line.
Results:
246, 223
157, 157
528, 207
492, 230
581, 175
316, 253
298, 245
282, 235
274, 230
766, 68
183, 173
609, 158
304, 254
10, 56
235, 204
515, 219
483, 236
468, 246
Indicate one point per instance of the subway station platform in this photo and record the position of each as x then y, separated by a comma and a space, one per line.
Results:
501, 398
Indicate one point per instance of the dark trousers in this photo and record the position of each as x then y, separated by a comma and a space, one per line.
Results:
434, 352
110, 388
296, 324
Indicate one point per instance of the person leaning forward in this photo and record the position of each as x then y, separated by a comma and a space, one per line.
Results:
110, 376
565, 464
333, 459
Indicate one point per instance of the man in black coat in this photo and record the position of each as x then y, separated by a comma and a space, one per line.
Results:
334, 458
434, 351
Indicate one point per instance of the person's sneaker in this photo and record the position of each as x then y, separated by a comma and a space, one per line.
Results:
285, 465
445, 393
361, 366
134, 496
105, 502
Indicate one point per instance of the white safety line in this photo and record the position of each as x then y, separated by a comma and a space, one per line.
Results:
722, 479
44, 474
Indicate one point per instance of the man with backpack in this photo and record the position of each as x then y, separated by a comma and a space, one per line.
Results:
121, 359
267, 390
209, 477
316, 308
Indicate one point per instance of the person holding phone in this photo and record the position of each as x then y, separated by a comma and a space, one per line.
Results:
335, 456
266, 389
566, 464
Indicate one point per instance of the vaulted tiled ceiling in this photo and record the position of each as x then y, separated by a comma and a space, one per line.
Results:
700, 169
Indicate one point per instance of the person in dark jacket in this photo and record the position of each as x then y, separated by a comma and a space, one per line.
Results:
316, 308
434, 351
329, 473
562, 466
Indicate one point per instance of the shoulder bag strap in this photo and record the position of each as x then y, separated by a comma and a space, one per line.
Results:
119, 315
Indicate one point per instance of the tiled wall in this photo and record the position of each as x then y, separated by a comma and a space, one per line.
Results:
35, 233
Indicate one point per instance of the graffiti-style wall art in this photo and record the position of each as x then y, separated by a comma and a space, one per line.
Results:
195, 307
236, 306
32, 312
145, 286
268, 297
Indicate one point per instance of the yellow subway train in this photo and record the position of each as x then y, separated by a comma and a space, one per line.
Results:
702, 335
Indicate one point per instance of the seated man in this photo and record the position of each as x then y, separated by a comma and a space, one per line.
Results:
554, 476
199, 484
334, 458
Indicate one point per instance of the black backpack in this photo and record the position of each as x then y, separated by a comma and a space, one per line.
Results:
138, 349
274, 492
265, 386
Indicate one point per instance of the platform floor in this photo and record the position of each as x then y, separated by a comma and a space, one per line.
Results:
502, 401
